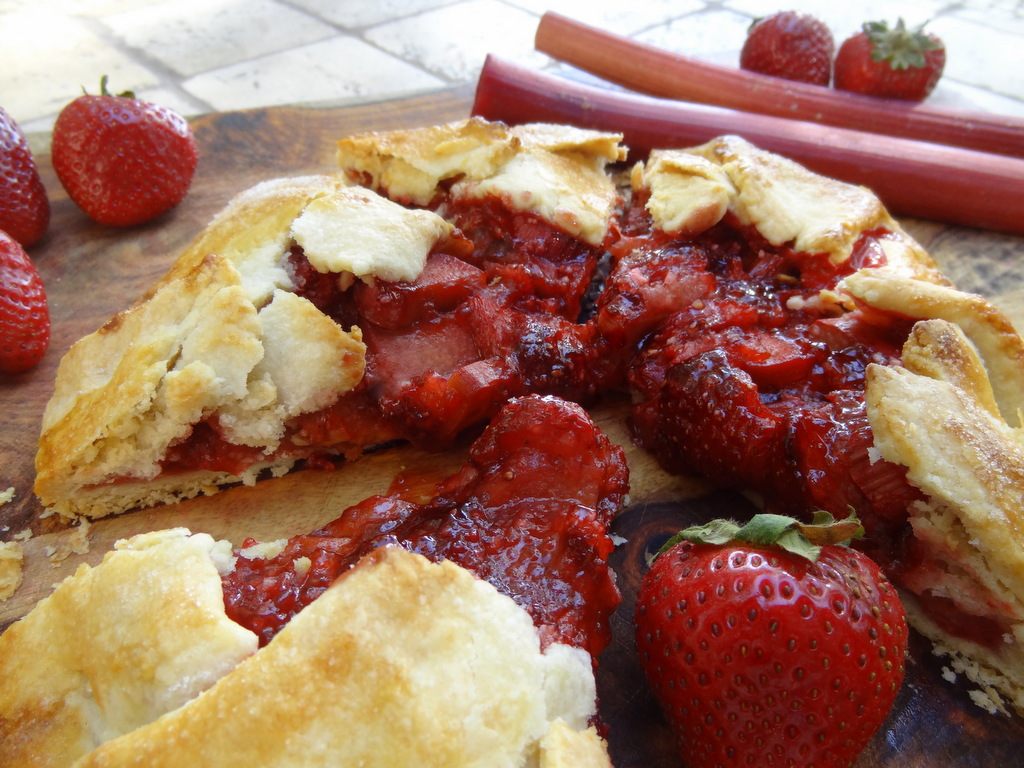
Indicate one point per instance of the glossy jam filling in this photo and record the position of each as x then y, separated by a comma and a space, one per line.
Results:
529, 512
740, 372
751, 378
743, 375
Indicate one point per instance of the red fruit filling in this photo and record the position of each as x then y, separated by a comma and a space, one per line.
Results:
750, 379
742, 375
482, 323
739, 371
529, 512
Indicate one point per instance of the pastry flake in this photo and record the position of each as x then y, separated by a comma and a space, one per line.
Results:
11, 559
367, 235
688, 193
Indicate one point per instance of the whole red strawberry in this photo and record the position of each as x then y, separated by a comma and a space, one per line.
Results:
763, 648
789, 44
896, 63
24, 206
124, 161
24, 313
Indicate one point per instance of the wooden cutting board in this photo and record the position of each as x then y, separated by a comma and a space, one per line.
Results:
91, 272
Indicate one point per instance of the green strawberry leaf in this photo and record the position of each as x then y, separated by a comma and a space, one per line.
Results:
716, 532
903, 48
788, 533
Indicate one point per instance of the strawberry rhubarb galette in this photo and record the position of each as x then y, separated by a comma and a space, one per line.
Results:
773, 330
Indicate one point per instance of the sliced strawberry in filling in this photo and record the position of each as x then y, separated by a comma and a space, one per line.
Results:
757, 383
491, 316
538, 268
708, 418
445, 283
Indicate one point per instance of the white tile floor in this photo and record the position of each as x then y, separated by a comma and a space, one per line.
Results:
203, 55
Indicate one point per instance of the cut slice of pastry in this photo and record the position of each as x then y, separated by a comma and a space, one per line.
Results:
962, 571
222, 343
314, 318
115, 647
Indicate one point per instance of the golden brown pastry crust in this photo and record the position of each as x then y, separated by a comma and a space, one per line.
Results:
220, 335
937, 417
1000, 346
402, 662
115, 647
555, 171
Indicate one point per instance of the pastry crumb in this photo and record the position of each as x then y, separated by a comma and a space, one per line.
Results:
263, 550
77, 544
11, 559
983, 700
7, 496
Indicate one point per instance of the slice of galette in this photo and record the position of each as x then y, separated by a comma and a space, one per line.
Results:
314, 318
960, 565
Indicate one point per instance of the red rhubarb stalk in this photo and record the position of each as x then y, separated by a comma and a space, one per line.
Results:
912, 178
658, 72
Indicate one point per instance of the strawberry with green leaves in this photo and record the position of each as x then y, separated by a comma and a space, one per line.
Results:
770, 643
24, 206
24, 311
123, 160
891, 63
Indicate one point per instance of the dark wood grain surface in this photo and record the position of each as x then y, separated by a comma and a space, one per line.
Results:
91, 272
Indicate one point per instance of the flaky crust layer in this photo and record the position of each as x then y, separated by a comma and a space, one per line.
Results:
412, 663
937, 416
115, 647
221, 335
